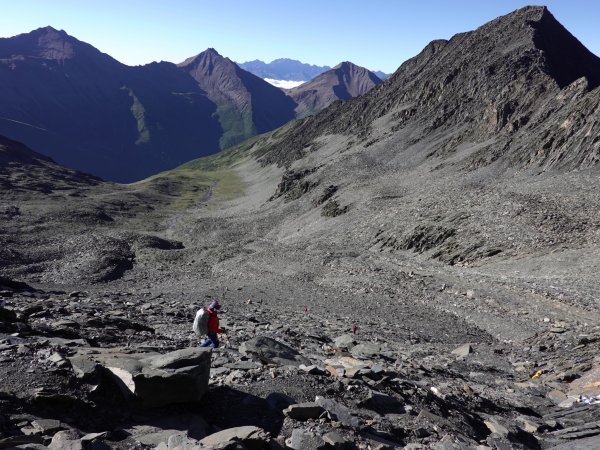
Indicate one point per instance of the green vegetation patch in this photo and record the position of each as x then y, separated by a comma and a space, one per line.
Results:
139, 114
237, 125
209, 180
188, 188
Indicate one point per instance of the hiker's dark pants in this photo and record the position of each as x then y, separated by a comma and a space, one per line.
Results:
212, 340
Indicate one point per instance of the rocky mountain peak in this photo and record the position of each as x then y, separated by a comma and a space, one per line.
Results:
51, 44
351, 72
56, 45
542, 43
346, 65
566, 58
207, 58
46, 42
210, 69
345, 81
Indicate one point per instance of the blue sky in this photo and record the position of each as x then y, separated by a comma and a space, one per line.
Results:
379, 35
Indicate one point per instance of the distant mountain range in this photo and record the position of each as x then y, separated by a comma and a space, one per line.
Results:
88, 111
285, 69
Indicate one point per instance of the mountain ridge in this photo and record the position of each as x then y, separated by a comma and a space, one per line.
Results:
23, 169
488, 81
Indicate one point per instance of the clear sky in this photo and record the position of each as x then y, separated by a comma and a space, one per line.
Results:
379, 34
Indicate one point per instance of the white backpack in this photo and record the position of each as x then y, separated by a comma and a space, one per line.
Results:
200, 325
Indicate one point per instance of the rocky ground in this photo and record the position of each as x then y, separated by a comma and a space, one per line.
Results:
336, 338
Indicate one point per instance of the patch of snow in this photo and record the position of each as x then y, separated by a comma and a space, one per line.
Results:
284, 84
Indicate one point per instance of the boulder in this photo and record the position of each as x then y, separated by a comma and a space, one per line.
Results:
382, 403
66, 440
367, 350
495, 426
463, 351
344, 342
588, 384
335, 440
253, 438
84, 368
303, 411
339, 412
48, 426
156, 379
153, 437
305, 440
271, 351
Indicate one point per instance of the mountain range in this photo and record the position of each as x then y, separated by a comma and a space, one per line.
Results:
88, 111
284, 69
292, 72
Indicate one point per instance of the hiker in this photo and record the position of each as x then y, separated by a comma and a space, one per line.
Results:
212, 339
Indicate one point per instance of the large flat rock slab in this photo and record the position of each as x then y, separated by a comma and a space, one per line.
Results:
154, 379
251, 437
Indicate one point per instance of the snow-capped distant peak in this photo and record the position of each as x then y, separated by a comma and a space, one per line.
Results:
284, 84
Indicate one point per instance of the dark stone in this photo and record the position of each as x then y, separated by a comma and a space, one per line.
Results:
271, 351
382, 403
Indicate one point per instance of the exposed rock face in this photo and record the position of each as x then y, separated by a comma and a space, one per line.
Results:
343, 82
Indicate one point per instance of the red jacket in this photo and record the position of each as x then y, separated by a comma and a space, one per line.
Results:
213, 322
